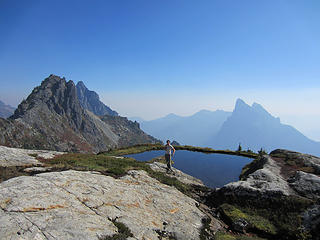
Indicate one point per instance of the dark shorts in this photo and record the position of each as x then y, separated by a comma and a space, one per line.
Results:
168, 160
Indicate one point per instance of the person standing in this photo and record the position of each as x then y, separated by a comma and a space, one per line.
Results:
168, 148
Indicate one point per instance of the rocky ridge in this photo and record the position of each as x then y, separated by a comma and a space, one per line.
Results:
286, 184
90, 100
53, 118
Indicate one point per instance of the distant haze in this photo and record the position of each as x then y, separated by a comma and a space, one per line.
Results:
151, 58
299, 108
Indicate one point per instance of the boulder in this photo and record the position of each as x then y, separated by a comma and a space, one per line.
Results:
23, 157
266, 181
306, 184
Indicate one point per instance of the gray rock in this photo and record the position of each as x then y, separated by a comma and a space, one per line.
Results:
52, 118
81, 205
311, 218
306, 159
90, 100
240, 225
23, 157
181, 176
266, 181
37, 169
306, 184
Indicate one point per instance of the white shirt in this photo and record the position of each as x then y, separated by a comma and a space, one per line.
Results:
168, 149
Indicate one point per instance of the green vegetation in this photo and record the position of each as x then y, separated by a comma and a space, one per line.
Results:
150, 147
123, 232
262, 152
33, 155
227, 236
252, 167
205, 231
256, 222
239, 148
282, 212
134, 149
110, 165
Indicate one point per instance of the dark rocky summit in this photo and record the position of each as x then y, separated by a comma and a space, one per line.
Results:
53, 118
5, 110
90, 100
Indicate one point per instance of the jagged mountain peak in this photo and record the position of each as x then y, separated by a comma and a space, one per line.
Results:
55, 94
241, 105
244, 109
52, 118
90, 100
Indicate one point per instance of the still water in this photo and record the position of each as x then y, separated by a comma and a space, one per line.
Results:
215, 170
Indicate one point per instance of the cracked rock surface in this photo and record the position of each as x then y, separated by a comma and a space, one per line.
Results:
23, 157
82, 205
181, 176
267, 181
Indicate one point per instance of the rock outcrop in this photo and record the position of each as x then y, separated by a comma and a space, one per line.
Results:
88, 205
53, 118
90, 100
181, 176
283, 185
10, 157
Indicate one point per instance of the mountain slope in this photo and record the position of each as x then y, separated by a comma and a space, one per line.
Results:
254, 127
192, 130
6, 110
90, 100
52, 118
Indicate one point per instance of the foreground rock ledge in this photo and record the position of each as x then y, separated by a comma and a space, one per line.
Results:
23, 157
83, 205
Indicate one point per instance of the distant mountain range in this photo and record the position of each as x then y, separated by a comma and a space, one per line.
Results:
54, 117
6, 110
193, 130
251, 126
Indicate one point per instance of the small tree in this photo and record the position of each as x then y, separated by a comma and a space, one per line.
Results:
239, 148
262, 152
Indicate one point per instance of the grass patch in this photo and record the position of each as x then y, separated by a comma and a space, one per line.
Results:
256, 222
227, 236
150, 147
123, 232
35, 155
205, 232
283, 212
112, 166
134, 149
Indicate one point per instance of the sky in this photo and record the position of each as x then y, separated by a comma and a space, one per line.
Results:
151, 58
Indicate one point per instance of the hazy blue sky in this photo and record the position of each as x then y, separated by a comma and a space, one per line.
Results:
149, 58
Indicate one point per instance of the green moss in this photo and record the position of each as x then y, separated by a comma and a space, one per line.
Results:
257, 223
224, 236
205, 232
227, 236
123, 232
113, 166
33, 155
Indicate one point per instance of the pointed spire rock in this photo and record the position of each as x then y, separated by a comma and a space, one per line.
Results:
240, 105
90, 100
